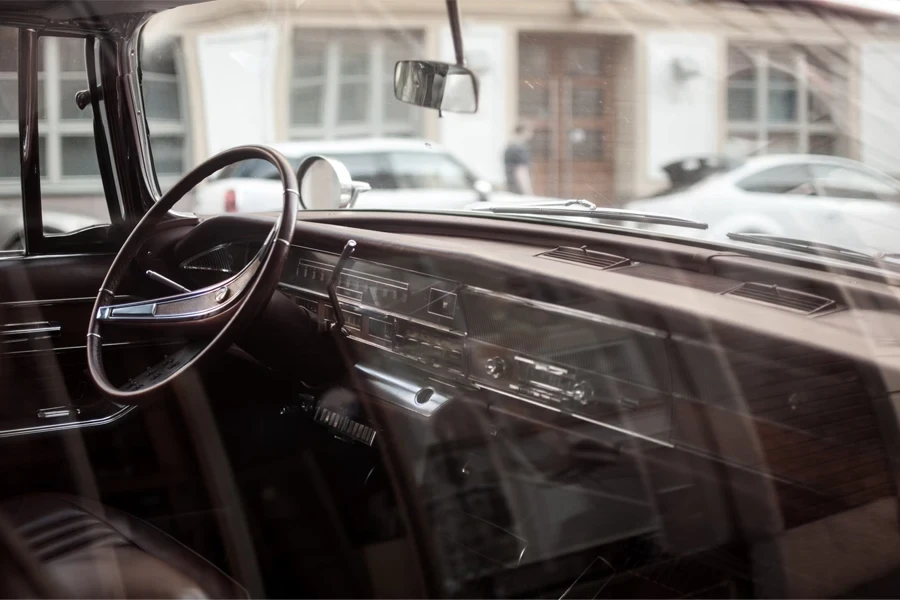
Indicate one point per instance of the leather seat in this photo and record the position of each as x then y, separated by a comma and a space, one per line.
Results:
87, 550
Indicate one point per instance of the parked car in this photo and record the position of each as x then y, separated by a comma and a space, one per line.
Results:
830, 200
399, 171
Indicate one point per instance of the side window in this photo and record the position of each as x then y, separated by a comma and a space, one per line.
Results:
843, 182
165, 107
10, 184
422, 170
72, 195
370, 167
787, 179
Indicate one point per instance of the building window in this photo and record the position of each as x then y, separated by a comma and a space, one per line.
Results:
164, 103
342, 84
785, 100
67, 152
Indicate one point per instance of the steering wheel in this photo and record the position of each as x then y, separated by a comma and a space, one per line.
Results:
221, 309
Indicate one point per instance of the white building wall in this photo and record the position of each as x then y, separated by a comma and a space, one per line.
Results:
237, 72
879, 106
479, 139
682, 104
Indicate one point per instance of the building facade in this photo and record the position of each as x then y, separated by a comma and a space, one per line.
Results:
614, 89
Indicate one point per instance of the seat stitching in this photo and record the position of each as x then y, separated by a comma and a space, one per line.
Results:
71, 528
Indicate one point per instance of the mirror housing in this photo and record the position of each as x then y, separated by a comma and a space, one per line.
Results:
325, 184
484, 189
438, 85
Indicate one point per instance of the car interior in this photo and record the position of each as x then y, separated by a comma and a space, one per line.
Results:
343, 403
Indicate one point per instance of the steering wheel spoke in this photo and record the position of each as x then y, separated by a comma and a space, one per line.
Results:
182, 309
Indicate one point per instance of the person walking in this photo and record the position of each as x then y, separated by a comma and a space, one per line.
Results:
517, 161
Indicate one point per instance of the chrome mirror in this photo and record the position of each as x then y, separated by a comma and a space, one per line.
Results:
431, 84
325, 184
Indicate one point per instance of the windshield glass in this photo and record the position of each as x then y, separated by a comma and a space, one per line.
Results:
762, 119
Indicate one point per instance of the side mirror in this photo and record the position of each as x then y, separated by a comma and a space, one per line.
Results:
484, 188
439, 85
325, 184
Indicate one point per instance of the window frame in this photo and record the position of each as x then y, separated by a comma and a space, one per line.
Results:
162, 127
102, 238
760, 129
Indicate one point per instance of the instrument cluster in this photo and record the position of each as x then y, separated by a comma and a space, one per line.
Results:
591, 367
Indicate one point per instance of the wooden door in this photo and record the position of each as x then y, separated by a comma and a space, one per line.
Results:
567, 93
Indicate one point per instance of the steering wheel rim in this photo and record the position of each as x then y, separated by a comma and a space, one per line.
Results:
228, 305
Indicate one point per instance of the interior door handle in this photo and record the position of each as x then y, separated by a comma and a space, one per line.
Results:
22, 332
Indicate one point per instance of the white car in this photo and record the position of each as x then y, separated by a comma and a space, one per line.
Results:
817, 198
12, 228
404, 174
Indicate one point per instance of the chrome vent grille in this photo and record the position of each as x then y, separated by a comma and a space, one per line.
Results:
227, 258
583, 256
786, 298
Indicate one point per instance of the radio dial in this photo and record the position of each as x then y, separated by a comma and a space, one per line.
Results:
582, 392
495, 367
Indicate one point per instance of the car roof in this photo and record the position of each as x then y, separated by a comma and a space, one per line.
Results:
774, 160
374, 144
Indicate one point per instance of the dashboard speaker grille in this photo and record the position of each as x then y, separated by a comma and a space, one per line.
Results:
583, 256
785, 298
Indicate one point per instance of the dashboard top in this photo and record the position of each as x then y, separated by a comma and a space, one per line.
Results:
683, 290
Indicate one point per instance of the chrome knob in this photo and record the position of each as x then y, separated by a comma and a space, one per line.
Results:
582, 392
495, 367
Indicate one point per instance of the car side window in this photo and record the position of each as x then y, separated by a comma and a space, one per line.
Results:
423, 170
844, 182
786, 179
11, 237
369, 167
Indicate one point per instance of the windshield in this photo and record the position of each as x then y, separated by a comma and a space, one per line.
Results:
754, 119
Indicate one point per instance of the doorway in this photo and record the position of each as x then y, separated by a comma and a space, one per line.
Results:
567, 92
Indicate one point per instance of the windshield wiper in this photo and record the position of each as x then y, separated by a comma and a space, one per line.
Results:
808, 247
561, 208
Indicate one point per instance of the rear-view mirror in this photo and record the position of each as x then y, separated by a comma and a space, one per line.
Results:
438, 85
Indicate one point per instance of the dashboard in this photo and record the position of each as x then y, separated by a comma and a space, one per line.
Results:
602, 370
725, 376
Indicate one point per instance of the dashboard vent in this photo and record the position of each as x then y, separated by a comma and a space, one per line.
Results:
583, 256
786, 298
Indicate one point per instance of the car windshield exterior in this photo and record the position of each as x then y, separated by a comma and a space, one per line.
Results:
754, 117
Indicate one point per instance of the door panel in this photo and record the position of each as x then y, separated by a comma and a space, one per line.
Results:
45, 305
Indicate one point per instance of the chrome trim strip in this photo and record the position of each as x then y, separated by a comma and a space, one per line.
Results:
569, 312
21, 256
282, 241
49, 302
367, 309
100, 421
615, 428
23, 332
96, 335
291, 191
80, 347
402, 393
